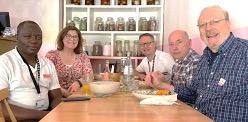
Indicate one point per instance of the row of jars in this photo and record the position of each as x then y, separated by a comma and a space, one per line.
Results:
110, 24
121, 48
118, 2
80, 23
120, 25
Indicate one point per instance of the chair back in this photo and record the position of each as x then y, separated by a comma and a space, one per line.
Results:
4, 94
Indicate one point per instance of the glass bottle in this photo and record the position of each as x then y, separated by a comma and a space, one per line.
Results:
110, 24
105, 2
126, 47
128, 75
89, 2
131, 24
119, 48
122, 2
157, 2
152, 24
106, 71
97, 49
120, 24
136, 2
107, 49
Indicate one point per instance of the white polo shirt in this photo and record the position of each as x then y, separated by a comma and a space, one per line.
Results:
15, 75
163, 62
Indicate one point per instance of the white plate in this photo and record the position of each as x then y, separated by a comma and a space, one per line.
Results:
148, 93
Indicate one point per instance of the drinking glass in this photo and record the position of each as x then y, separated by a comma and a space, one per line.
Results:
86, 85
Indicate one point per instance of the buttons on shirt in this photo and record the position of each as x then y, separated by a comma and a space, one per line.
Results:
196, 108
200, 96
208, 85
211, 73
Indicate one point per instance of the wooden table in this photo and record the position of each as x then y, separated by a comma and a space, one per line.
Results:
122, 107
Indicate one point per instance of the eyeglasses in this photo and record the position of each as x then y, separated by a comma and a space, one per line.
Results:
212, 22
146, 44
68, 36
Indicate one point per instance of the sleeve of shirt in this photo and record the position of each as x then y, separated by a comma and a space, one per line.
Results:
51, 56
168, 61
141, 67
54, 84
4, 74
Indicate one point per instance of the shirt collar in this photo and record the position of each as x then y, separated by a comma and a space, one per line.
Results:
186, 57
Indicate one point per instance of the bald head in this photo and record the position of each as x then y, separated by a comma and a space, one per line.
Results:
179, 44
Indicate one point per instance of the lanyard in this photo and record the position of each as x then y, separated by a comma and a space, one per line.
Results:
153, 61
37, 87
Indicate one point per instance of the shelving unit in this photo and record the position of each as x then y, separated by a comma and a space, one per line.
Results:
114, 11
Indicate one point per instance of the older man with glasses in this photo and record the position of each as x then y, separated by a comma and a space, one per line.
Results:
219, 85
155, 60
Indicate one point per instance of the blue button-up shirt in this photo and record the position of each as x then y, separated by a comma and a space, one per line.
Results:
219, 87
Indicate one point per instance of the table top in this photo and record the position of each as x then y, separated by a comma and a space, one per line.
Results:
122, 107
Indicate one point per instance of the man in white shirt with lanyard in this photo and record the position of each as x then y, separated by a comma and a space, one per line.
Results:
155, 60
31, 79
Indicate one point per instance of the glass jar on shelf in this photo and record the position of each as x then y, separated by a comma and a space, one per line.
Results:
110, 24
157, 2
70, 23
136, 2
76, 21
122, 2
97, 49
143, 24
118, 48
126, 47
131, 24
99, 25
89, 2
152, 24
105, 2
150, 2
75, 2
83, 24
120, 24
107, 49
135, 48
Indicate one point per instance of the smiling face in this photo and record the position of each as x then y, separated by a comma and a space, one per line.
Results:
147, 45
71, 39
179, 44
214, 27
29, 38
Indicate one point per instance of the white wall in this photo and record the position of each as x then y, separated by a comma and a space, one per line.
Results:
44, 12
183, 14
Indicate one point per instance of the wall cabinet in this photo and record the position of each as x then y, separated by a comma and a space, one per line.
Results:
91, 12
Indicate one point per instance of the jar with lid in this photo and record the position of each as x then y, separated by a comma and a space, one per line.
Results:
89, 2
97, 49
83, 24
118, 47
131, 24
143, 24
136, 2
152, 24
157, 2
107, 49
99, 26
75, 2
122, 2
120, 24
70, 23
150, 2
105, 2
84, 43
126, 47
110, 24
135, 48
76, 21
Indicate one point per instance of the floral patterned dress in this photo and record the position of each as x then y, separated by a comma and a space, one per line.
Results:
69, 74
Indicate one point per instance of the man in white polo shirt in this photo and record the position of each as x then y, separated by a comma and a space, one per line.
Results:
155, 60
31, 79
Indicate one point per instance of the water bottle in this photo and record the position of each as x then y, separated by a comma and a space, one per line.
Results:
128, 81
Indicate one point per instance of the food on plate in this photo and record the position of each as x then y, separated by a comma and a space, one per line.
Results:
163, 92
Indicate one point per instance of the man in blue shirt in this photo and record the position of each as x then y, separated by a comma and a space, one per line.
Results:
219, 87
